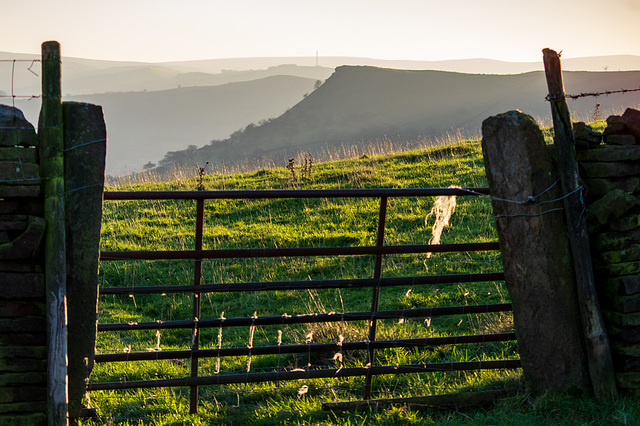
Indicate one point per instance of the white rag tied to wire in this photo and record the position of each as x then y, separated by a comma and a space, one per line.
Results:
443, 208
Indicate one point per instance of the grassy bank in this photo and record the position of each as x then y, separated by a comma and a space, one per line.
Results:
168, 225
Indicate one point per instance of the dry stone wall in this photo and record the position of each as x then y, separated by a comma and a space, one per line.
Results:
23, 350
611, 176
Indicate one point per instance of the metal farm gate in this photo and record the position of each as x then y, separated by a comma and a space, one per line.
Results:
372, 315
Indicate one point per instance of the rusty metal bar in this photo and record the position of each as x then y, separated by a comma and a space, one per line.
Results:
296, 252
197, 281
293, 193
309, 318
373, 315
310, 284
375, 294
306, 348
308, 374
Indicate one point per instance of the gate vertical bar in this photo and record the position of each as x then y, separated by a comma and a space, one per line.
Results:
375, 295
598, 349
52, 134
197, 279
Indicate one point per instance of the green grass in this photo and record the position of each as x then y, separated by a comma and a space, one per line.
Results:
169, 225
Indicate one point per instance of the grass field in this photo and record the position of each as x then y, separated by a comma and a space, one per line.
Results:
169, 225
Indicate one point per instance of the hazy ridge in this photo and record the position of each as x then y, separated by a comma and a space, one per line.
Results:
357, 105
153, 108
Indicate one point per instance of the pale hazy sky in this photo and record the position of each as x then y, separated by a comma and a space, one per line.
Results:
172, 30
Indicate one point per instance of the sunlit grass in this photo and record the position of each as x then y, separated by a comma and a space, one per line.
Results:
169, 225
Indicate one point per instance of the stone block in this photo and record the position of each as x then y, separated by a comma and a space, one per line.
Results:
620, 269
625, 334
15, 129
629, 221
599, 187
624, 304
622, 140
610, 153
12, 309
18, 173
23, 394
36, 419
629, 254
609, 208
614, 119
28, 206
20, 154
625, 348
22, 379
624, 285
15, 285
21, 365
631, 119
13, 222
27, 244
31, 352
22, 325
614, 129
22, 407
609, 241
23, 267
628, 380
622, 320
22, 338
584, 132
609, 170
20, 191
628, 364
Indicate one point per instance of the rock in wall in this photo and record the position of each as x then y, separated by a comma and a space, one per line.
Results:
23, 351
611, 177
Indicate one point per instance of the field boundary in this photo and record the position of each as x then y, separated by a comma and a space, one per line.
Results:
376, 282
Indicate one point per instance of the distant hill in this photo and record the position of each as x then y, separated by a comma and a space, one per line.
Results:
90, 76
357, 105
143, 126
470, 66
153, 108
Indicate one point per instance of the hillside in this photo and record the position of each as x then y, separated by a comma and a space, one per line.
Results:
471, 66
357, 105
89, 76
142, 126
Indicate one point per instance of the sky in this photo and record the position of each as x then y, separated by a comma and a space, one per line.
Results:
177, 30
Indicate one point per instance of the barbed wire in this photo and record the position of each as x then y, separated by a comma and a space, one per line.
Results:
556, 98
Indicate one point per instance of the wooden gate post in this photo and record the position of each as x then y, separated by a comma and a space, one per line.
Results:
52, 153
535, 254
598, 349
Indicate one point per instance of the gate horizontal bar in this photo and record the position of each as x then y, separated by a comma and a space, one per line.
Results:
307, 374
296, 251
303, 349
308, 318
309, 284
292, 193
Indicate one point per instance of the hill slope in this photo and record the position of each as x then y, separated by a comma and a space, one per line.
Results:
359, 104
142, 126
88, 76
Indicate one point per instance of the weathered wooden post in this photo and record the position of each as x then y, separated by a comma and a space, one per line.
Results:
598, 349
51, 132
535, 254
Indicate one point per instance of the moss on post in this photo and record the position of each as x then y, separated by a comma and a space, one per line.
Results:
51, 133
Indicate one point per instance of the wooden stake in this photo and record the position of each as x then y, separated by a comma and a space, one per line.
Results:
597, 341
52, 155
